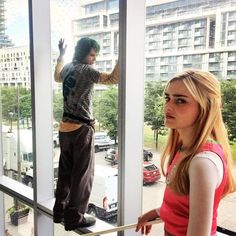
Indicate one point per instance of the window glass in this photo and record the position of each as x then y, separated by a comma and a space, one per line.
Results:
15, 88
97, 20
176, 39
19, 218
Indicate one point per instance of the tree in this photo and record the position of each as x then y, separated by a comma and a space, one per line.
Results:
25, 104
106, 110
229, 106
57, 106
16, 98
153, 111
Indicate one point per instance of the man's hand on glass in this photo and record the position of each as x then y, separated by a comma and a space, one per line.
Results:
62, 47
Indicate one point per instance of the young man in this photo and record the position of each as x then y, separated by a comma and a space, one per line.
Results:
76, 132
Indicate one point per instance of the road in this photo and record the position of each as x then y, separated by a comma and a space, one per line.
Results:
152, 198
153, 194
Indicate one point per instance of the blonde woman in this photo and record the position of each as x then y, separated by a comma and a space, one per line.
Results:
196, 160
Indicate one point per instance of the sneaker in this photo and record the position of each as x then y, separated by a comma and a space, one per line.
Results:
86, 222
58, 219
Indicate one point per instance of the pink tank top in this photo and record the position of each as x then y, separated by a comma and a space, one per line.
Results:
174, 210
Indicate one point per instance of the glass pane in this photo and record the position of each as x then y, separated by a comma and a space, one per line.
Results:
19, 218
16, 91
97, 20
176, 40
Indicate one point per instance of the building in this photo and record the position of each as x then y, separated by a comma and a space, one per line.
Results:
4, 40
131, 196
15, 66
100, 20
179, 34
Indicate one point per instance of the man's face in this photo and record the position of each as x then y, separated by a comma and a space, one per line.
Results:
90, 58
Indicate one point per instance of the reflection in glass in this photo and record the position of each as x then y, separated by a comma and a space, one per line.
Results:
15, 91
172, 45
19, 218
102, 26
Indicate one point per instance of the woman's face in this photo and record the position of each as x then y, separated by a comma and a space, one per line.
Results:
90, 58
180, 109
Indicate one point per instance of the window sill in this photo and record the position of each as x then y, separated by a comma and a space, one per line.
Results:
16, 189
100, 225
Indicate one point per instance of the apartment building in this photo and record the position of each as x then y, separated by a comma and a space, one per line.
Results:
99, 20
134, 199
15, 66
179, 34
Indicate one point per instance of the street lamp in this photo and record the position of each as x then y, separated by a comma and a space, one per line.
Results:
10, 114
18, 137
18, 134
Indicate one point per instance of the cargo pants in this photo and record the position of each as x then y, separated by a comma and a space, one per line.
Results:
75, 174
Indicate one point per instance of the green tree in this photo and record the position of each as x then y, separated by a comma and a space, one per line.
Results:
25, 104
153, 110
106, 110
57, 106
14, 98
229, 106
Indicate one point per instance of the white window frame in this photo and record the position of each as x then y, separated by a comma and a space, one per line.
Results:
130, 117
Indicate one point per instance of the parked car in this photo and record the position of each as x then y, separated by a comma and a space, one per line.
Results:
112, 156
102, 141
103, 200
151, 173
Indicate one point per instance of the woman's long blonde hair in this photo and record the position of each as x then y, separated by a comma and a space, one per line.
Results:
205, 89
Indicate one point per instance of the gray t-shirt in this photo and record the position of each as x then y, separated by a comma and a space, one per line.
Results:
78, 83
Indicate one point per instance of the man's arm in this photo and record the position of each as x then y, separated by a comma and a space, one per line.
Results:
57, 72
60, 61
111, 78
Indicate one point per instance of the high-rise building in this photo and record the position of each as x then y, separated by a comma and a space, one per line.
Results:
15, 66
4, 39
179, 34
99, 20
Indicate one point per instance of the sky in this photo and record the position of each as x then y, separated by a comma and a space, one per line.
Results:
62, 12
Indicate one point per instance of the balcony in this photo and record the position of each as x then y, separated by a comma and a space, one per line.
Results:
199, 42
232, 37
232, 27
184, 27
169, 37
164, 63
188, 61
164, 71
232, 18
214, 68
152, 48
200, 25
164, 47
150, 70
233, 67
199, 34
231, 43
168, 29
184, 36
232, 58
212, 59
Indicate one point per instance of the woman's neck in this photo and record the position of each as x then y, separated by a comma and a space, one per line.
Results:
185, 138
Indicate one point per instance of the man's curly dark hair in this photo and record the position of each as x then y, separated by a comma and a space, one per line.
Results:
83, 47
